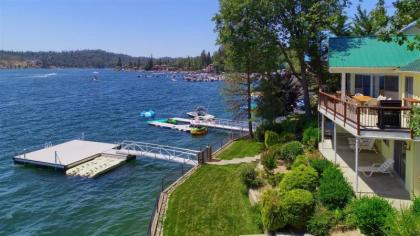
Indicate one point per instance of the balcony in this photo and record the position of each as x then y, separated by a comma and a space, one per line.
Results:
370, 121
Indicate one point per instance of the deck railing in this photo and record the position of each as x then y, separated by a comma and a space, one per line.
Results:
363, 117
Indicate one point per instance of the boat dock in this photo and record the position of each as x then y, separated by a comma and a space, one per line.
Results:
65, 155
225, 124
91, 159
183, 124
161, 123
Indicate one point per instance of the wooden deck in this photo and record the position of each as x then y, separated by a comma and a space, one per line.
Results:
362, 121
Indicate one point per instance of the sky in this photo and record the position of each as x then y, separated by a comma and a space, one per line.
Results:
135, 27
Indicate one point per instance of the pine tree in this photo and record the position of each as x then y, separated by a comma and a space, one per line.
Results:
119, 63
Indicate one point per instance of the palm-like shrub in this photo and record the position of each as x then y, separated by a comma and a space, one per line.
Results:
271, 138
311, 136
250, 178
268, 160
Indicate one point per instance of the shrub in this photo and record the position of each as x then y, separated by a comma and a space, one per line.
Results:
276, 150
300, 160
321, 223
249, 177
289, 125
369, 214
273, 214
302, 177
415, 121
320, 165
334, 191
415, 208
275, 179
286, 137
260, 131
299, 205
268, 160
271, 138
290, 150
311, 137
405, 223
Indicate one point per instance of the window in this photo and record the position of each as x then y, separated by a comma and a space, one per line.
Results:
408, 87
362, 84
388, 83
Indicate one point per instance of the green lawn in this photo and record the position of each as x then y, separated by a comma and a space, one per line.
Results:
213, 201
242, 148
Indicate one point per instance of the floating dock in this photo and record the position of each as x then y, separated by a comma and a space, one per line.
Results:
164, 124
185, 123
216, 123
66, 155
91, 159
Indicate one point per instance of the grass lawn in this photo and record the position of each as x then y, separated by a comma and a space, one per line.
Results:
213, 201
241, 148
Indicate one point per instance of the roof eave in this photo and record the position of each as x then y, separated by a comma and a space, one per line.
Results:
363, 69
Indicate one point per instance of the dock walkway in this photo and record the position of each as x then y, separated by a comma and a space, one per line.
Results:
217, 123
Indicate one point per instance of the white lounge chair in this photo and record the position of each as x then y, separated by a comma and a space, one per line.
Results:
384, 168
364, 144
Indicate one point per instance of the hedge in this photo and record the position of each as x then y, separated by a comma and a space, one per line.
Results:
369, 214
302, 177
334, 191
299, 205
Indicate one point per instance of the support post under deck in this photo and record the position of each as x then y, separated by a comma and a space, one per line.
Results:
335, 143
357, 164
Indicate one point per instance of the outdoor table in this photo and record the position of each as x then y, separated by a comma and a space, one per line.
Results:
362, 99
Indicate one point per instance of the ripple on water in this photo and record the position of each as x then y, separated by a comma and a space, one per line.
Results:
60, 107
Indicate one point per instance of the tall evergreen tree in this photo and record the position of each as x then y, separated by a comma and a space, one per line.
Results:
249, 48
297, 25
407, 11
372, 23
119, 62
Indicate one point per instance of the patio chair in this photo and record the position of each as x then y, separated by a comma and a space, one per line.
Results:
384, 168
364, 144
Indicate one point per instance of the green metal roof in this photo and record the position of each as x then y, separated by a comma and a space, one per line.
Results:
413, 66
369, 52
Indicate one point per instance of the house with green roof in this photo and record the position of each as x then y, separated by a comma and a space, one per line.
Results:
371, 116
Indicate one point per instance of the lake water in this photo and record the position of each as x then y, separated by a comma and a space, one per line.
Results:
38, 106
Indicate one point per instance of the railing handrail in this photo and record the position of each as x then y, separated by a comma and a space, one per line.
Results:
360, 116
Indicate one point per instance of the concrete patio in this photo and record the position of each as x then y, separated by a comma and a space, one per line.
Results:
388, 186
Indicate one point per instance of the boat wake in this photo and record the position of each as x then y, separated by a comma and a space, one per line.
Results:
44, 75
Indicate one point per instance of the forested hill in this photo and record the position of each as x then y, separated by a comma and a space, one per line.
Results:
80, 58
103, 59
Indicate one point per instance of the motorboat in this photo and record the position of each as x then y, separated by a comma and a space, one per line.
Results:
200, 113
199, 130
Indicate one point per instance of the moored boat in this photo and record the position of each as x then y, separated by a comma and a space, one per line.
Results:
199, 130
200, 113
